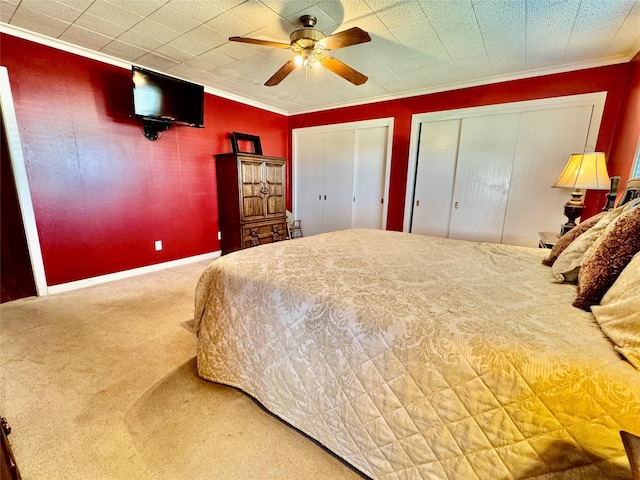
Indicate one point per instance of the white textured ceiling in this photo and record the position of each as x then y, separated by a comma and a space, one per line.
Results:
417, 46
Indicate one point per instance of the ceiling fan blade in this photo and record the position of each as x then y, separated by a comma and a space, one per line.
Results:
344, 70
352, 36
255, 41
284, 70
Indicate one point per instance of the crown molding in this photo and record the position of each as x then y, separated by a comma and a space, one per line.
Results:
117, 62
475, 83
101, 57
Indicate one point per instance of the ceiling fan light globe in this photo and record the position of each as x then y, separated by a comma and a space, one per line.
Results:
298, 60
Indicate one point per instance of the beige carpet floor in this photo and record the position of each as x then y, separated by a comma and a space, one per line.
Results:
101, 383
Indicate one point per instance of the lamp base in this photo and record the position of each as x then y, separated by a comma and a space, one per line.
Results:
572, 210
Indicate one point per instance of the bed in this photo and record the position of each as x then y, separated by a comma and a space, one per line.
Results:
415, 357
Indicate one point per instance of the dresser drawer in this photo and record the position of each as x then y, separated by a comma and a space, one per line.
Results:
263, 232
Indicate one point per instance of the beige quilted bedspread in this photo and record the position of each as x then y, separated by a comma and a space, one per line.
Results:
417, 357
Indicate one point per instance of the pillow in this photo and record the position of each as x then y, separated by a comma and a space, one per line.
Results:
619, 312
625, 208
567, 265
609, 256
631, 203
570, 236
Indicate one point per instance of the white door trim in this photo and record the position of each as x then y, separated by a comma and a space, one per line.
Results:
596, 99
22, 183
359, 125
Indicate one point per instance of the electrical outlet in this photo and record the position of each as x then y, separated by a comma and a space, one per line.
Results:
219, 235
158, 245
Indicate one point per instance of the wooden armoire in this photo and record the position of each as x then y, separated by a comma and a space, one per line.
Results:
251, 200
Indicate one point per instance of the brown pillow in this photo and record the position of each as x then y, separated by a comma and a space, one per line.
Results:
611, 253
570, 236
567, 265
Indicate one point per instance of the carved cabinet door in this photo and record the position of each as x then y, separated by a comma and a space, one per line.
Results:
263, 187
274, 178
253, 189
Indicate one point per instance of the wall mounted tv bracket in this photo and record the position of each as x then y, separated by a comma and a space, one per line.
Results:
153, 126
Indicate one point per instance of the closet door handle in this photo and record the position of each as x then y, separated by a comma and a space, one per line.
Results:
456, 205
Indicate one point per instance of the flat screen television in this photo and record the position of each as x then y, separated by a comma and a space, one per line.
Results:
161, 98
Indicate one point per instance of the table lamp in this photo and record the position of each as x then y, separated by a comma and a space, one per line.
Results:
583, 171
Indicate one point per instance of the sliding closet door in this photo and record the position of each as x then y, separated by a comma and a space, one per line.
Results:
545, 139
340, 175
324, 180
506, 159
337, 194
370, 167
308, 182
483, 174
435, 176
462, 178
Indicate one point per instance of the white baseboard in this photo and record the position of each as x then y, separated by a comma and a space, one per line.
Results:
88, 282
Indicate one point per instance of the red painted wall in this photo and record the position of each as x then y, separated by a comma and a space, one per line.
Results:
627, 132
611, 79
103, 193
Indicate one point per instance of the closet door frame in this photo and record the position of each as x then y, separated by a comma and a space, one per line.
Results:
360, 125
597, 100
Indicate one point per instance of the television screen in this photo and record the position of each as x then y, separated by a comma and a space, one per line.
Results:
161, 97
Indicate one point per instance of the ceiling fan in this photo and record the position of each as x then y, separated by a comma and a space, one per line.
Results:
311, 47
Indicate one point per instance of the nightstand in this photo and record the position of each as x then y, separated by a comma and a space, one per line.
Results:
547, 239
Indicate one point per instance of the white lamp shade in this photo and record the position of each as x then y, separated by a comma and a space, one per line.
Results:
585, 171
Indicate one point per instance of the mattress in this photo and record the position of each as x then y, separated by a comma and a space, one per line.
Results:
414, 357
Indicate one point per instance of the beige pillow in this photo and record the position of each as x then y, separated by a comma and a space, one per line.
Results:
631, 204
619, 312
565, 240
567, 265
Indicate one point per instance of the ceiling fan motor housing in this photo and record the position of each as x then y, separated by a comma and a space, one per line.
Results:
306, 37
